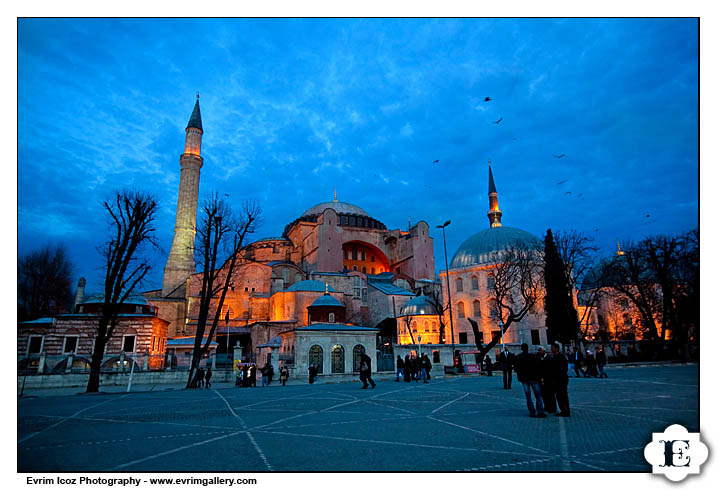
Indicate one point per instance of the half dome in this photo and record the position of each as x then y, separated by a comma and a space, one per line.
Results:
480, 247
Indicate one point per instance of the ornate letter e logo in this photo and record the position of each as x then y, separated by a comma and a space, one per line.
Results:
676, 453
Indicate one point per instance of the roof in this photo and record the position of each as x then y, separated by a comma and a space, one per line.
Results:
338, 206
335, 327
186, 341
130, 300
195, 121
418, 306
388, 288
274, 263
309, 286
326, 300
480, 247
42, 320
275, 342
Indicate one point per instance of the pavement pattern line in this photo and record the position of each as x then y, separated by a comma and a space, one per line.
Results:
450, 402
175, 450
119, 440
619, 464
229, 406
487, 434
413, 413
336, 423
563, 445
386, 442
589, 465
123, 421
609, 451
503, 466
626, 415
54, 425
584, 406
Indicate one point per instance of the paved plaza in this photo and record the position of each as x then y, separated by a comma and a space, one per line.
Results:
450, 424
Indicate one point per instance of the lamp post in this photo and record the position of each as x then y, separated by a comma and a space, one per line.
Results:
501, 326
448, 289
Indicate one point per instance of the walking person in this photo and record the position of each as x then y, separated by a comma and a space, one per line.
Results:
199, 378
312, 373
283, 375
601, 361
365, 371
591, 370
252, 379
547, 385
399, 368
427, 367
407, 369
527, 372
207, 377
577, 360
489, 366
506, 364
265, 374
569, 361
559, 376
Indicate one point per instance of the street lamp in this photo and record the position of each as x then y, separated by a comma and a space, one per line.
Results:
448, 290
501, 326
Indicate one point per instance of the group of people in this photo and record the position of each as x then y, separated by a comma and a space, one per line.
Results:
247, 375
413, 368
202, 378
589, 365
543, 377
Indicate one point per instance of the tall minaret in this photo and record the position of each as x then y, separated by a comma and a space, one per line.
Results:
80, 293
180, 263
494, 213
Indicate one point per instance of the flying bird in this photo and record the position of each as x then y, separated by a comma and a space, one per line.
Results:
648, 215
226, 194
559, 156
497, 122
567, 192
561, 182
436, 161
487, 99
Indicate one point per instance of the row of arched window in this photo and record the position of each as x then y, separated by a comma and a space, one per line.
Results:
459, 283
316, 357
461, 309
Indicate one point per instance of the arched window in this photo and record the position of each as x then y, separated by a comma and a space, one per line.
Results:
493, 311
413, 326
331, 317
426, 326
433, 327
285, 275
477, 308
363, 269
297, 277
459, 285
356, 357
490, 282
474, 283
316, 357
338, 358
460, 310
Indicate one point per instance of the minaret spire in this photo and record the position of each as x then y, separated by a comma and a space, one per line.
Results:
619, 251
494, 213
180, 263
335, 195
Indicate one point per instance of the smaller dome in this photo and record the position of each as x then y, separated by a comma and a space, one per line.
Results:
326, 300
338, 206
418, 306
481, 247
309, 286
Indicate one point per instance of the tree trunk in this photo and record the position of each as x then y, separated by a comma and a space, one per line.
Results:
93, 383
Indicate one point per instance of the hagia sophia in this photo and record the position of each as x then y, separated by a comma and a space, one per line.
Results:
335, 284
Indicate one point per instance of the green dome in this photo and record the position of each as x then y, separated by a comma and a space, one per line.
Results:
309, 286
418, 306
480, 247
326, 300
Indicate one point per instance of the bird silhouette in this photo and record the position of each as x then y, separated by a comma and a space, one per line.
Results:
559, 156
648, 215
567, 192
436, 161
487, 99
561, 182
596, 230
497, 122
226, 194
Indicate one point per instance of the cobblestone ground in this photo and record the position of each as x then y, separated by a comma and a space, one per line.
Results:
449, 424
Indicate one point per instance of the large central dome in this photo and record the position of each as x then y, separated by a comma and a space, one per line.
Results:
338, 206
480, 247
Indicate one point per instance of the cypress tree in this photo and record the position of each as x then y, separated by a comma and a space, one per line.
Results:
561, 315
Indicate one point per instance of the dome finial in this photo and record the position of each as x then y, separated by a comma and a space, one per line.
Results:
335, 195
197, 95
619, 252
326, 291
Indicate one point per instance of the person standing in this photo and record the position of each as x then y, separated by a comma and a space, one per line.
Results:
283, 375
407, 369
577, 360
527, 372
311, 373
601, 361
399, 368
489, 366
569, 360
199, 378
506, 364
559, 376
207, 377
365, 371
427, 367
547, 390
591, 370
265, 374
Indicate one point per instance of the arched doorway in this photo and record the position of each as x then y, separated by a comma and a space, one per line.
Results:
338, 358
316, 357
356, 357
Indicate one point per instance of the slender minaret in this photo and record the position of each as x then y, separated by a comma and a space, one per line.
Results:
80, 293
180, 263
494, 213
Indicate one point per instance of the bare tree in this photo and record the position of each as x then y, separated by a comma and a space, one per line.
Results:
579, 255
518, 285
43, 283
131, 224
433, 296
407, 321
220, 233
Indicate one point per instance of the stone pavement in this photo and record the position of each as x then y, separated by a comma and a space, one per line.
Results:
450, 424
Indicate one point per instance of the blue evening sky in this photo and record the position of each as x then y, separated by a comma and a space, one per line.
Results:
293, 109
